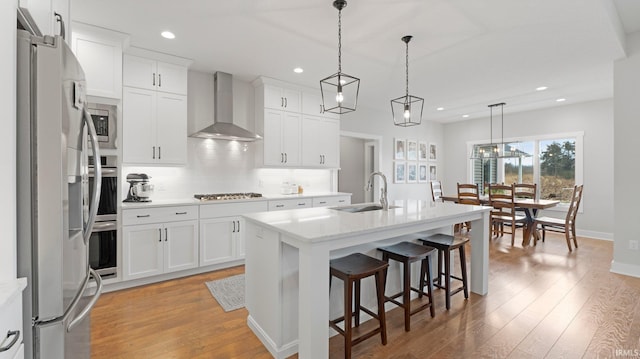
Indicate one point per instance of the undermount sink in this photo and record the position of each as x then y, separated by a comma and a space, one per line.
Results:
364, 208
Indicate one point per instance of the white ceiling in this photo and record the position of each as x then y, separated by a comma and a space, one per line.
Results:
465, 54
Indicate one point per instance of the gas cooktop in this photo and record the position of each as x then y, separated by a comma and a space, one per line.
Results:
226, 196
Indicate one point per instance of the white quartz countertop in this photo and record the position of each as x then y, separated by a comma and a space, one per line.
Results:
320, 224
194, 202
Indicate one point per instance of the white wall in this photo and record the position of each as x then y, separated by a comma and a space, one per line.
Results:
380, 123
594, 119
626, 130
8, 139
351, 175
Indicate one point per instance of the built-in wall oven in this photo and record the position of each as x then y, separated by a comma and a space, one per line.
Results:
103, 250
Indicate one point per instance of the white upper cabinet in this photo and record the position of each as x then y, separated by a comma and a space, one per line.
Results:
154, 109
289, 138
100, 54
321, 142
156, 75
43, 13
154, 127
312, 105
281, 98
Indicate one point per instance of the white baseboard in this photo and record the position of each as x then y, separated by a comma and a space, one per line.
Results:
283, 352
632, 270
595, 235
113, 284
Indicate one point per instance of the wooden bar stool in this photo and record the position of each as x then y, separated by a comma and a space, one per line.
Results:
352, 269
445, 244
407, 253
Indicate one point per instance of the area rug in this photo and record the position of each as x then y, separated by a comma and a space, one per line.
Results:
229, 292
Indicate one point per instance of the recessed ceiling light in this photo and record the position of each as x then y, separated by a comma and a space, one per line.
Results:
168, 35
298, 70
561, 100
541, 88
440, 109
465, 116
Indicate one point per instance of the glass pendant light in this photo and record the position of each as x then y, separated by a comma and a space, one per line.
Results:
339, 91
407, 110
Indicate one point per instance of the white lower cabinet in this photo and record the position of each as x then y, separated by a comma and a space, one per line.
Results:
155, 248
220, 240
11, 344
222, 230
282, 204
332, 201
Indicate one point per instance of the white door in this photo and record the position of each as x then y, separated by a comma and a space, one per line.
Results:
312, 104
312, 141
180, 245
216, 240
273, 97
101, 61
291, 100
172, 78
138, 126
142, 251
139, 72
171, 128
291, 138
330, 134
240, 238
272, 141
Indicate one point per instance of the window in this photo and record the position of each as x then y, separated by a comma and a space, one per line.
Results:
553, 162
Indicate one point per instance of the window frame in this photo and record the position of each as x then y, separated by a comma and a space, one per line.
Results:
579, 159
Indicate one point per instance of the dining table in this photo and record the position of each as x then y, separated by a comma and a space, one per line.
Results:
529, 206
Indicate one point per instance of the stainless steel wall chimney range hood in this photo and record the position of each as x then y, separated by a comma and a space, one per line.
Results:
223, 127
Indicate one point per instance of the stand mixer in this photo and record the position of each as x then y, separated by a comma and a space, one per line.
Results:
139, 188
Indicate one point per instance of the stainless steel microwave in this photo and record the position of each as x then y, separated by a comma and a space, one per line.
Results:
104, 120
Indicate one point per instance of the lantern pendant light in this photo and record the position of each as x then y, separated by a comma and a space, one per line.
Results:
339, 91
407, 109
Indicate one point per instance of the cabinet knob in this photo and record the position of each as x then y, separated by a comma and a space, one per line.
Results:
159, 234
159, 152
179, 213
166, 235
143, 215
279, 205
159, 80
154, 153
154, 79
285, 158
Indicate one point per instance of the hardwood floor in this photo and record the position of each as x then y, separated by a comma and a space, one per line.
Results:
542, 302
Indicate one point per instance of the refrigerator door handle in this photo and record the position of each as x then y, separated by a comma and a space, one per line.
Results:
85, 311
97, 175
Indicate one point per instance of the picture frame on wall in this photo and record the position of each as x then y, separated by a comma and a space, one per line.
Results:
433, 152
433, 173
422, 173
422, 151
399, 149
412, 150
412, 173
399, 172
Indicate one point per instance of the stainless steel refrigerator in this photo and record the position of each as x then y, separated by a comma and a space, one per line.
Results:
55, 210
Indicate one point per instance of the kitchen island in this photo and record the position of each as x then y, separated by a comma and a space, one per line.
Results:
287, 263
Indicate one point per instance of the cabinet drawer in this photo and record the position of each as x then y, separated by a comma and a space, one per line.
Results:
232, 209
277, 205
11, 320
331, 201
158, 215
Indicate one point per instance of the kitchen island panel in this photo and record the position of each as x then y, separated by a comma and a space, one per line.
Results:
316, 235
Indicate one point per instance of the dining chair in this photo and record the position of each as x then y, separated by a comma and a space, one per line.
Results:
501, 198
436, 191
566, 225
525, 190
468, 193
